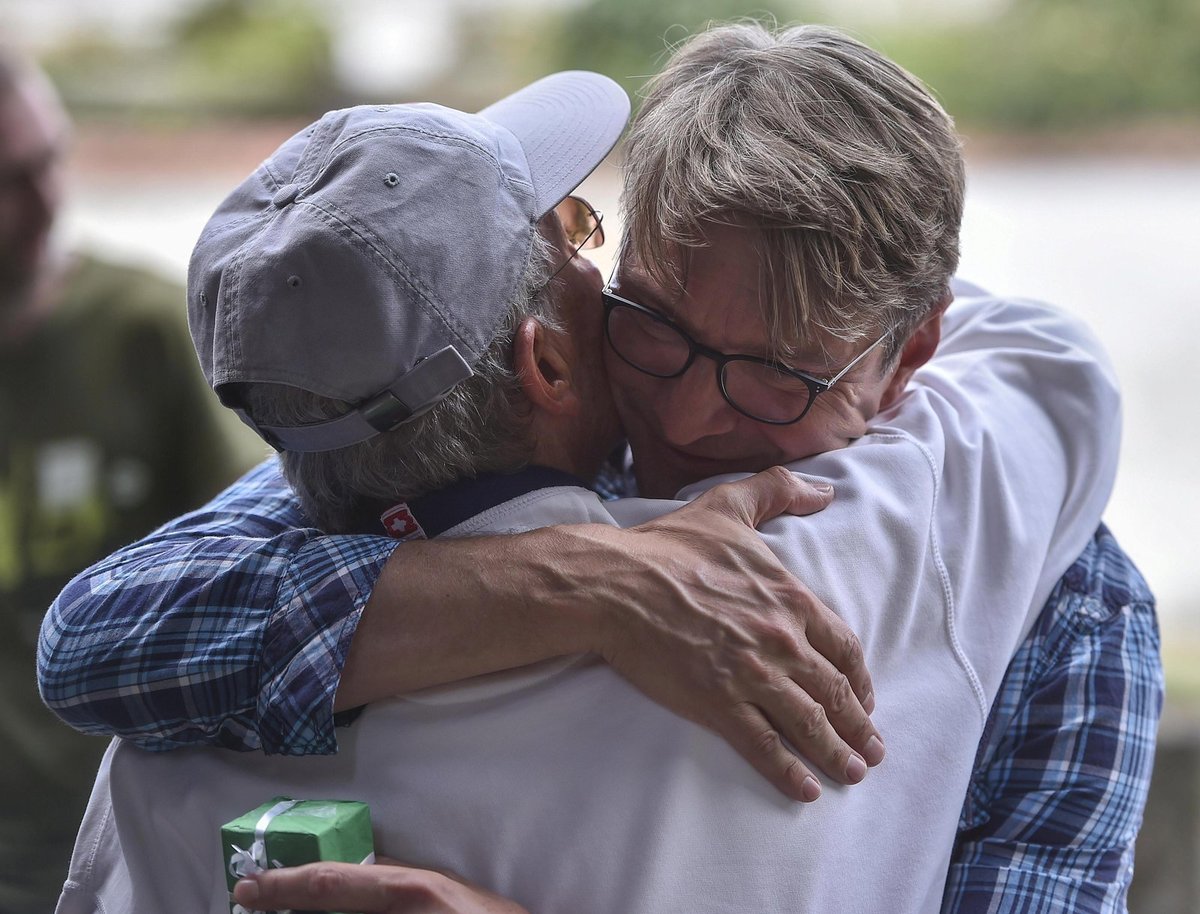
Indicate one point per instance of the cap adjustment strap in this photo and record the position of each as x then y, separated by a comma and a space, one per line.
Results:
416, 392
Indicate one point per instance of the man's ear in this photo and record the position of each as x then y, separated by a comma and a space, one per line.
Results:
544, 362
918, 349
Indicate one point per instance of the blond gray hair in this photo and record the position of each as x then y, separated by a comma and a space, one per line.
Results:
481, 426
843, 163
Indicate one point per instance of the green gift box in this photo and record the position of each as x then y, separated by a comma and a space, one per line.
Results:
287, 832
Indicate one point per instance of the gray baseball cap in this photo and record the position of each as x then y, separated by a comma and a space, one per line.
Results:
373, 255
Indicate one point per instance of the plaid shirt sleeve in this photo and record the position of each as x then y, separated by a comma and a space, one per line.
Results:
1062, 773
227, 627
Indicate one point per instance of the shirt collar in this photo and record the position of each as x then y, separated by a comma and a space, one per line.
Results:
436, 512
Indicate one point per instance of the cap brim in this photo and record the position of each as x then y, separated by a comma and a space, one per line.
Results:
567, 123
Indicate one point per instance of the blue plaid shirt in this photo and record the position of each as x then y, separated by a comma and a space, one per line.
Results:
230, 627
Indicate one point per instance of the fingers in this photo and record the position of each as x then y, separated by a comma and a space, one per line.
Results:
767, 494
790, 721
828, 633
812, 705
833, 732
754, 739
820, 694
806, 726
337, 887
383, 888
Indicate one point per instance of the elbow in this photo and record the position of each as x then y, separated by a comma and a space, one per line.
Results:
62, 641
81, 645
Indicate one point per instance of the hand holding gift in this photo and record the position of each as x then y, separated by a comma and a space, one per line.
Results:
388, 888
288, 833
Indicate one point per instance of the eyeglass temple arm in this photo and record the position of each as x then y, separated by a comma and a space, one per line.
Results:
858, 358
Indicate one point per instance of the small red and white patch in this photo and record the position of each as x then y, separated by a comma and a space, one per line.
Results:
400, 524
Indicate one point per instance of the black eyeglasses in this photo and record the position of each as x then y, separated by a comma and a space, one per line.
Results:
583, 225
759, 388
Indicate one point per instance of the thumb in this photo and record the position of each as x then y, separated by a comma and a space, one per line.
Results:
766, 495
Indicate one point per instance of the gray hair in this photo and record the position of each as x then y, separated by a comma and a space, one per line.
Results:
481, 426
843, 163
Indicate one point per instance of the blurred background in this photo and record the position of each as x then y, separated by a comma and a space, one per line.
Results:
1082, 127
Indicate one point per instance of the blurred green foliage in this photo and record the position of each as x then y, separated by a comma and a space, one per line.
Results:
1063, 63
628, 40
256, 56
1030, 64
240, 57
1026, 65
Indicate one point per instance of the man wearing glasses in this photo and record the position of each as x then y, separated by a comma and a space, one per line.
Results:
761, 389
965, 495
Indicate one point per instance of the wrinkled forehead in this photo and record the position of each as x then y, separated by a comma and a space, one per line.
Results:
713, 294
720, 264
669, 264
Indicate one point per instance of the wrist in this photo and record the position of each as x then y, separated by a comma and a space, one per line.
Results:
567, 583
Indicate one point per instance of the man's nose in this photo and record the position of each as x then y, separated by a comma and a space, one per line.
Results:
693, 407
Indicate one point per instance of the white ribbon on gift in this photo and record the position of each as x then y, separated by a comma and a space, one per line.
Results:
245, 863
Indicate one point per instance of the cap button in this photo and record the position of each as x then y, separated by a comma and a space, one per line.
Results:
286, 195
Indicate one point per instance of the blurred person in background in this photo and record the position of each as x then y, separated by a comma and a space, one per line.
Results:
106, 430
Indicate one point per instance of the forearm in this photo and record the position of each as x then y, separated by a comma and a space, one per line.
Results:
447, 610
452, 609
243, 642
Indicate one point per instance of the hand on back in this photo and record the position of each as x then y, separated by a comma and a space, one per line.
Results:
704, 619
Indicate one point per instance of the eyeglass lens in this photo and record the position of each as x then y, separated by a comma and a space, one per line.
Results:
581, 223
752, 387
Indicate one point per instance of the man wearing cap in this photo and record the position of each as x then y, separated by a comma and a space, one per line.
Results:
459, 774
